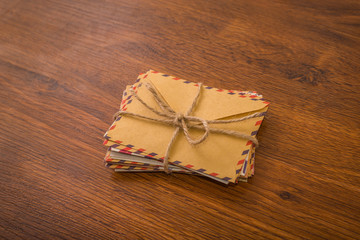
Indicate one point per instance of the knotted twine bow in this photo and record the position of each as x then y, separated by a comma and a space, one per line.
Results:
185, 121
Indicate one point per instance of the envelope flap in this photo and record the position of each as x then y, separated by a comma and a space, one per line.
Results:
213, 103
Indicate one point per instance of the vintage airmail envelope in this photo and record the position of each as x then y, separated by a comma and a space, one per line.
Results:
222, 157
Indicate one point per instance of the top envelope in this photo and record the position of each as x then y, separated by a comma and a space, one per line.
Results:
220, 156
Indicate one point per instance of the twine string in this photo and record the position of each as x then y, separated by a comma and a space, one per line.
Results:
185, 121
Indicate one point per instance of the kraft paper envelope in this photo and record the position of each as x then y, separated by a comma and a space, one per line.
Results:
220, 156
124, 161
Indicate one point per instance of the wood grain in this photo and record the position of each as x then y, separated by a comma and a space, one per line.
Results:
64, 65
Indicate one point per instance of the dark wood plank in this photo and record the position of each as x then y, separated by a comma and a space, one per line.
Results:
64, 65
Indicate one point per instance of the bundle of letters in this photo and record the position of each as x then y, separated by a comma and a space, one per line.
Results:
168, 124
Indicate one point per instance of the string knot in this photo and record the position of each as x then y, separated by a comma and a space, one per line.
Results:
178, 119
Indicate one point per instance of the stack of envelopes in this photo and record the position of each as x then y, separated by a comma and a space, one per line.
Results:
139, 145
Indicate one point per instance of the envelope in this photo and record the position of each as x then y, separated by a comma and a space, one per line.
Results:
221, 157
131, 163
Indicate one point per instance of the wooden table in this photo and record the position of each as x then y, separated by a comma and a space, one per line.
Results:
64, 65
